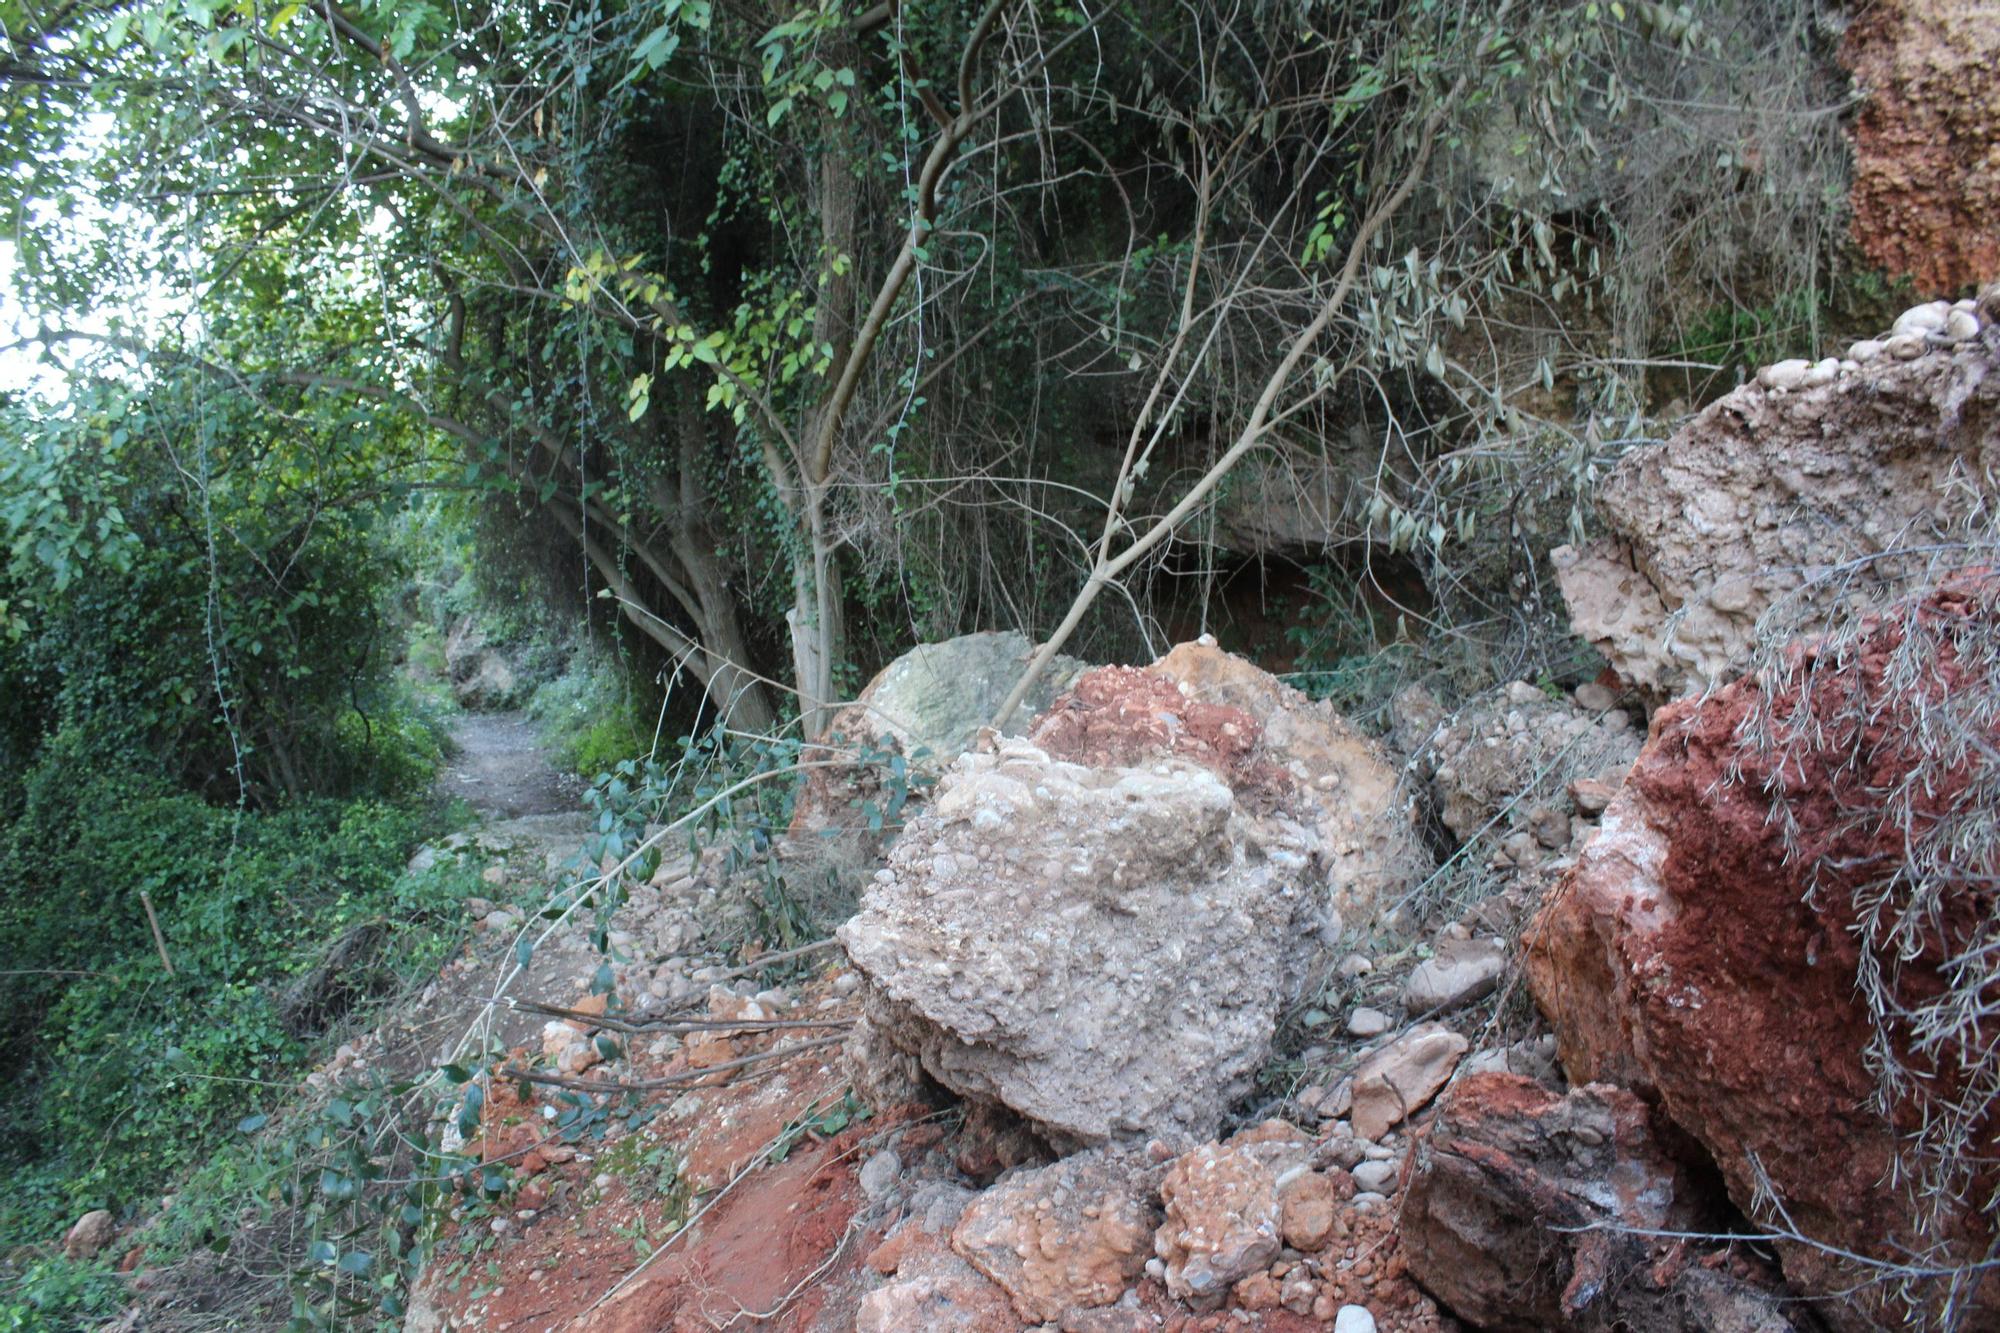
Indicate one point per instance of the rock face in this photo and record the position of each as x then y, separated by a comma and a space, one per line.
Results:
1525, 1211
1770, 485
926, 706
1927, 139
1098, 929
1690, 957
1070, 1236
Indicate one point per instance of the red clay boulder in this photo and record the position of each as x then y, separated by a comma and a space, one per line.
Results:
1712, 947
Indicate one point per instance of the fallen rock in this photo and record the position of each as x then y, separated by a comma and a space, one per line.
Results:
927, 706
1072, 1235
90, 1234
1222, 1223
1366, 1022
1307, 1205
1457, 974
1353, 1319
1100, 934
481, 676
1100, 949
1764, 491
1397, 1081
1703, 954
1528, 1210
1376, 1177
934, 1291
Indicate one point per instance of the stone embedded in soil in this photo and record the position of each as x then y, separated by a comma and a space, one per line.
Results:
1376, 1177
89, 1234
1400, 1079
1072, 1235
1366, 1022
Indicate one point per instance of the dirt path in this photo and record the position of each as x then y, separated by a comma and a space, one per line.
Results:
502, 770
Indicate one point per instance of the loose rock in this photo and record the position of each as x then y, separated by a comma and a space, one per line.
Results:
1398, 1080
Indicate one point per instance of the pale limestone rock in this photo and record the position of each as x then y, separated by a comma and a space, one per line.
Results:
1396, 1081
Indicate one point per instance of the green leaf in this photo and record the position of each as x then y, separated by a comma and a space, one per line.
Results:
356, 1262
250, 1124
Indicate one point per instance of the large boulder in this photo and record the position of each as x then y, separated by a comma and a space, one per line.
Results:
1101, 934
1791, 490
926, 707
1530, 1211
1794, 887
481, 677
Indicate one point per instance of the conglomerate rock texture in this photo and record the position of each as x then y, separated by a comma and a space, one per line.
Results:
1098, 928
1100, 949
1705, 950
1926, 139
1791, 489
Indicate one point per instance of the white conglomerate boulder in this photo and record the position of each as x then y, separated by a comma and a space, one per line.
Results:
1102, 950
1792, 493
1105, 946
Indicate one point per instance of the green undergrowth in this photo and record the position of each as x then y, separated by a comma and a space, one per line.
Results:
123, 1077
592, 715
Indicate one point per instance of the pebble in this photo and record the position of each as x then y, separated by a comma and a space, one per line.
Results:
1354, 965
1905, 347
1961, 326
1784, 374
1376, 1177
1366, 1022
1921, 319
847, 983
1865, 351
1353, 1319
879, 1174
1596, 698
1369, 1199
1823, 372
